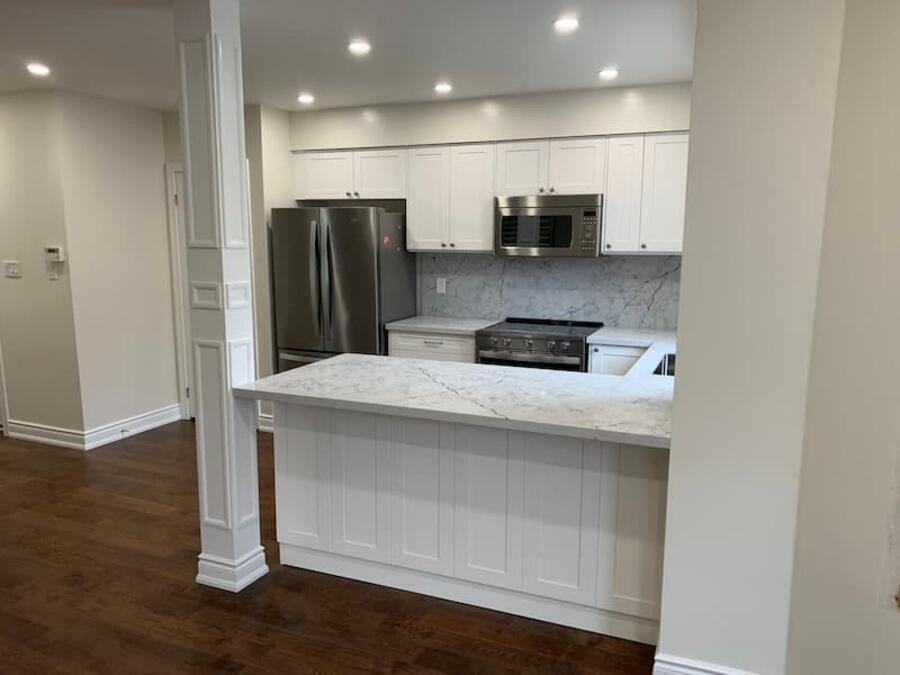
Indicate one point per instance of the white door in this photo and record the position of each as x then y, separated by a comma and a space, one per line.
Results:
562, 512
379, 174
323, 175
421, 495
177, 214
664, 192
578, 166
360, 484
428, 202
622, 201
303, 476
487, 542
472, 198
522, 168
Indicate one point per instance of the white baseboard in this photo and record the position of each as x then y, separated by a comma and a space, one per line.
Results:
78, 439
666, 664
231, 575
266, 423
471, 593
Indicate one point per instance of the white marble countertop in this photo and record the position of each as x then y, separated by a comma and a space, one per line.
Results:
657, 344
444, 325
632, 410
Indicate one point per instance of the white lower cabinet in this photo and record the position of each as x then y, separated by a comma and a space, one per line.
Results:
563, 529
434, 347
613, 359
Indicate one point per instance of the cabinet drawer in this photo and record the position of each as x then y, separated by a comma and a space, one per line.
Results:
613, 359
426, 345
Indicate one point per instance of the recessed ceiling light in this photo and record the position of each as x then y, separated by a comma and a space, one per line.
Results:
609, 73
443, 87
305, 98
38, 69
359, 47
566, 24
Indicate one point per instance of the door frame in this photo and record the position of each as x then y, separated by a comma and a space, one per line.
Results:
4, 399
175, 206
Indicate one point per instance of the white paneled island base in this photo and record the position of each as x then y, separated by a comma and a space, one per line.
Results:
560, 528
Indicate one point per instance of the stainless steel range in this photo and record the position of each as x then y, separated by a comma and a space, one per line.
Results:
536, 343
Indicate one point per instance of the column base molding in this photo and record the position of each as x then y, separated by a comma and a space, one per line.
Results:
666, 664
231, 575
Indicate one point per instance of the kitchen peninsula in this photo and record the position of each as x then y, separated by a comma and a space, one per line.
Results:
535, 492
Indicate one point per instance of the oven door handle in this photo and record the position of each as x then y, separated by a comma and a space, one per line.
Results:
529, 358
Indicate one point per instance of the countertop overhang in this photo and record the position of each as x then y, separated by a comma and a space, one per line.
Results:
635, 410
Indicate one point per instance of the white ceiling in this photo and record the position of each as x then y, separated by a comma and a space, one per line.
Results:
125, 48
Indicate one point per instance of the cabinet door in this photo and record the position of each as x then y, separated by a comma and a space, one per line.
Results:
522, 168
487, 522
302, 476
360, 484
632, 529
380, 174
613, 360
561, 523
578, 166
428, 202
421, 499
434, 347
472, 198
622, 201
324, 175
664, 191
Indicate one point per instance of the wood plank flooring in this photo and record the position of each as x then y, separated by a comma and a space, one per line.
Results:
97, 563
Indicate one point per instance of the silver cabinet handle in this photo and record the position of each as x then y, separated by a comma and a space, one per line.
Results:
356, 194
553, 189
436, 343
643, 245
609, 246
443, 245
541, 190
452, 245
348, 194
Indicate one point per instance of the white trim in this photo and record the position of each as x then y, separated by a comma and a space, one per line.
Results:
471, 593
4, 399
178, 269
266, 423
666, 664
229, 575
200, 302
237, 294
78, 439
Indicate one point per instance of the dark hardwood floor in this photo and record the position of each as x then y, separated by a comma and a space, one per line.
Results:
97, 563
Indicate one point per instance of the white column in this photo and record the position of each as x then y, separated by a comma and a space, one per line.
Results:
219, 270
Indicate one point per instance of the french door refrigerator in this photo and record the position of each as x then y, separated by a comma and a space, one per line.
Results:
338, 275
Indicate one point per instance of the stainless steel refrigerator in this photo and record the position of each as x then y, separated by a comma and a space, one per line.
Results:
339, 273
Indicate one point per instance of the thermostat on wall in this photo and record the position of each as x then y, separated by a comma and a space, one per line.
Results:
54, 254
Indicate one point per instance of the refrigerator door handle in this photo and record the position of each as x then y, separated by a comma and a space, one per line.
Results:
329, 281
315, 275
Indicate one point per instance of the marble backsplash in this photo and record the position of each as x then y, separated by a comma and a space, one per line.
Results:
626, 291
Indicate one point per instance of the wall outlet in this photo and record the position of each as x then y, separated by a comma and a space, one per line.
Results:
441, 286
12, 269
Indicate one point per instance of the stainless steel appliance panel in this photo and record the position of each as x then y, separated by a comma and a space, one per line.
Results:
396, 274
349, 280
296, 281
288, 360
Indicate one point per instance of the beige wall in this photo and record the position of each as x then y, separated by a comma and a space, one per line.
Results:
172, 137
764, 87
616, 110
111, 158
843, 615
37, 330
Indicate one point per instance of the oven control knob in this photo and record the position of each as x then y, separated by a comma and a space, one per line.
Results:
494, 342
529, 344
564, 345
507, 342
551, 345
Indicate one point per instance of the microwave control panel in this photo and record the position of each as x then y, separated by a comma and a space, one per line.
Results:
590, 232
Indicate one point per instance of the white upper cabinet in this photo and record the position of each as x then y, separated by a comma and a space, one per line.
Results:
664, 191
472, 198
428, 202
522, 168
622, 199
646, 184
323, 175
359, 174
380, 174
577, 166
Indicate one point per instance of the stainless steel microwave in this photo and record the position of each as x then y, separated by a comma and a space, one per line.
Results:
551, 225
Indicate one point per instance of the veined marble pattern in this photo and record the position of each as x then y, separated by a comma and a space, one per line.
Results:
634, 410
632, 291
